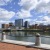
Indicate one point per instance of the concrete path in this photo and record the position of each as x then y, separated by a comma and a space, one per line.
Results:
43, 46
7, 46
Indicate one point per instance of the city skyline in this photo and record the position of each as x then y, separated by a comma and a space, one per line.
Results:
34, 11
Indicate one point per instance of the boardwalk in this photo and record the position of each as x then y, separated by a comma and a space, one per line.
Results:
7, 46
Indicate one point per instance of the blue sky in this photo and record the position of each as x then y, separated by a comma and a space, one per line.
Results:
34, 11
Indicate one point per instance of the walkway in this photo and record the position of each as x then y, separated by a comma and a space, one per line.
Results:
8, 46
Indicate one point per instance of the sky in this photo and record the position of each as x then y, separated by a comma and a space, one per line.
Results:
34, 11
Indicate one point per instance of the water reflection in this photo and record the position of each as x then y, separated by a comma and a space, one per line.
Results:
28, 36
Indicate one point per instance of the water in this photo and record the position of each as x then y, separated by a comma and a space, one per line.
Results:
28, 36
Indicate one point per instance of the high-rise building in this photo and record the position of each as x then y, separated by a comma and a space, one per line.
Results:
19, 23
26, 24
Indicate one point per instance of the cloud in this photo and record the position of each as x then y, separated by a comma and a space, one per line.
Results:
5, 21
46, 1
31, 21
43, 19
28, 4
6, 15
4, 2
32, 4
27, 19
46, 18
43, 7
23, 14
39, 5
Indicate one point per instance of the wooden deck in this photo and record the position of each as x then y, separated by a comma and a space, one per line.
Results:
8, 46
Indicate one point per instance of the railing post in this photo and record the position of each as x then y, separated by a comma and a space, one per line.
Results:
3, 37
38, 40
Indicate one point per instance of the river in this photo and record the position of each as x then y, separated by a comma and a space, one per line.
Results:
28, 36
